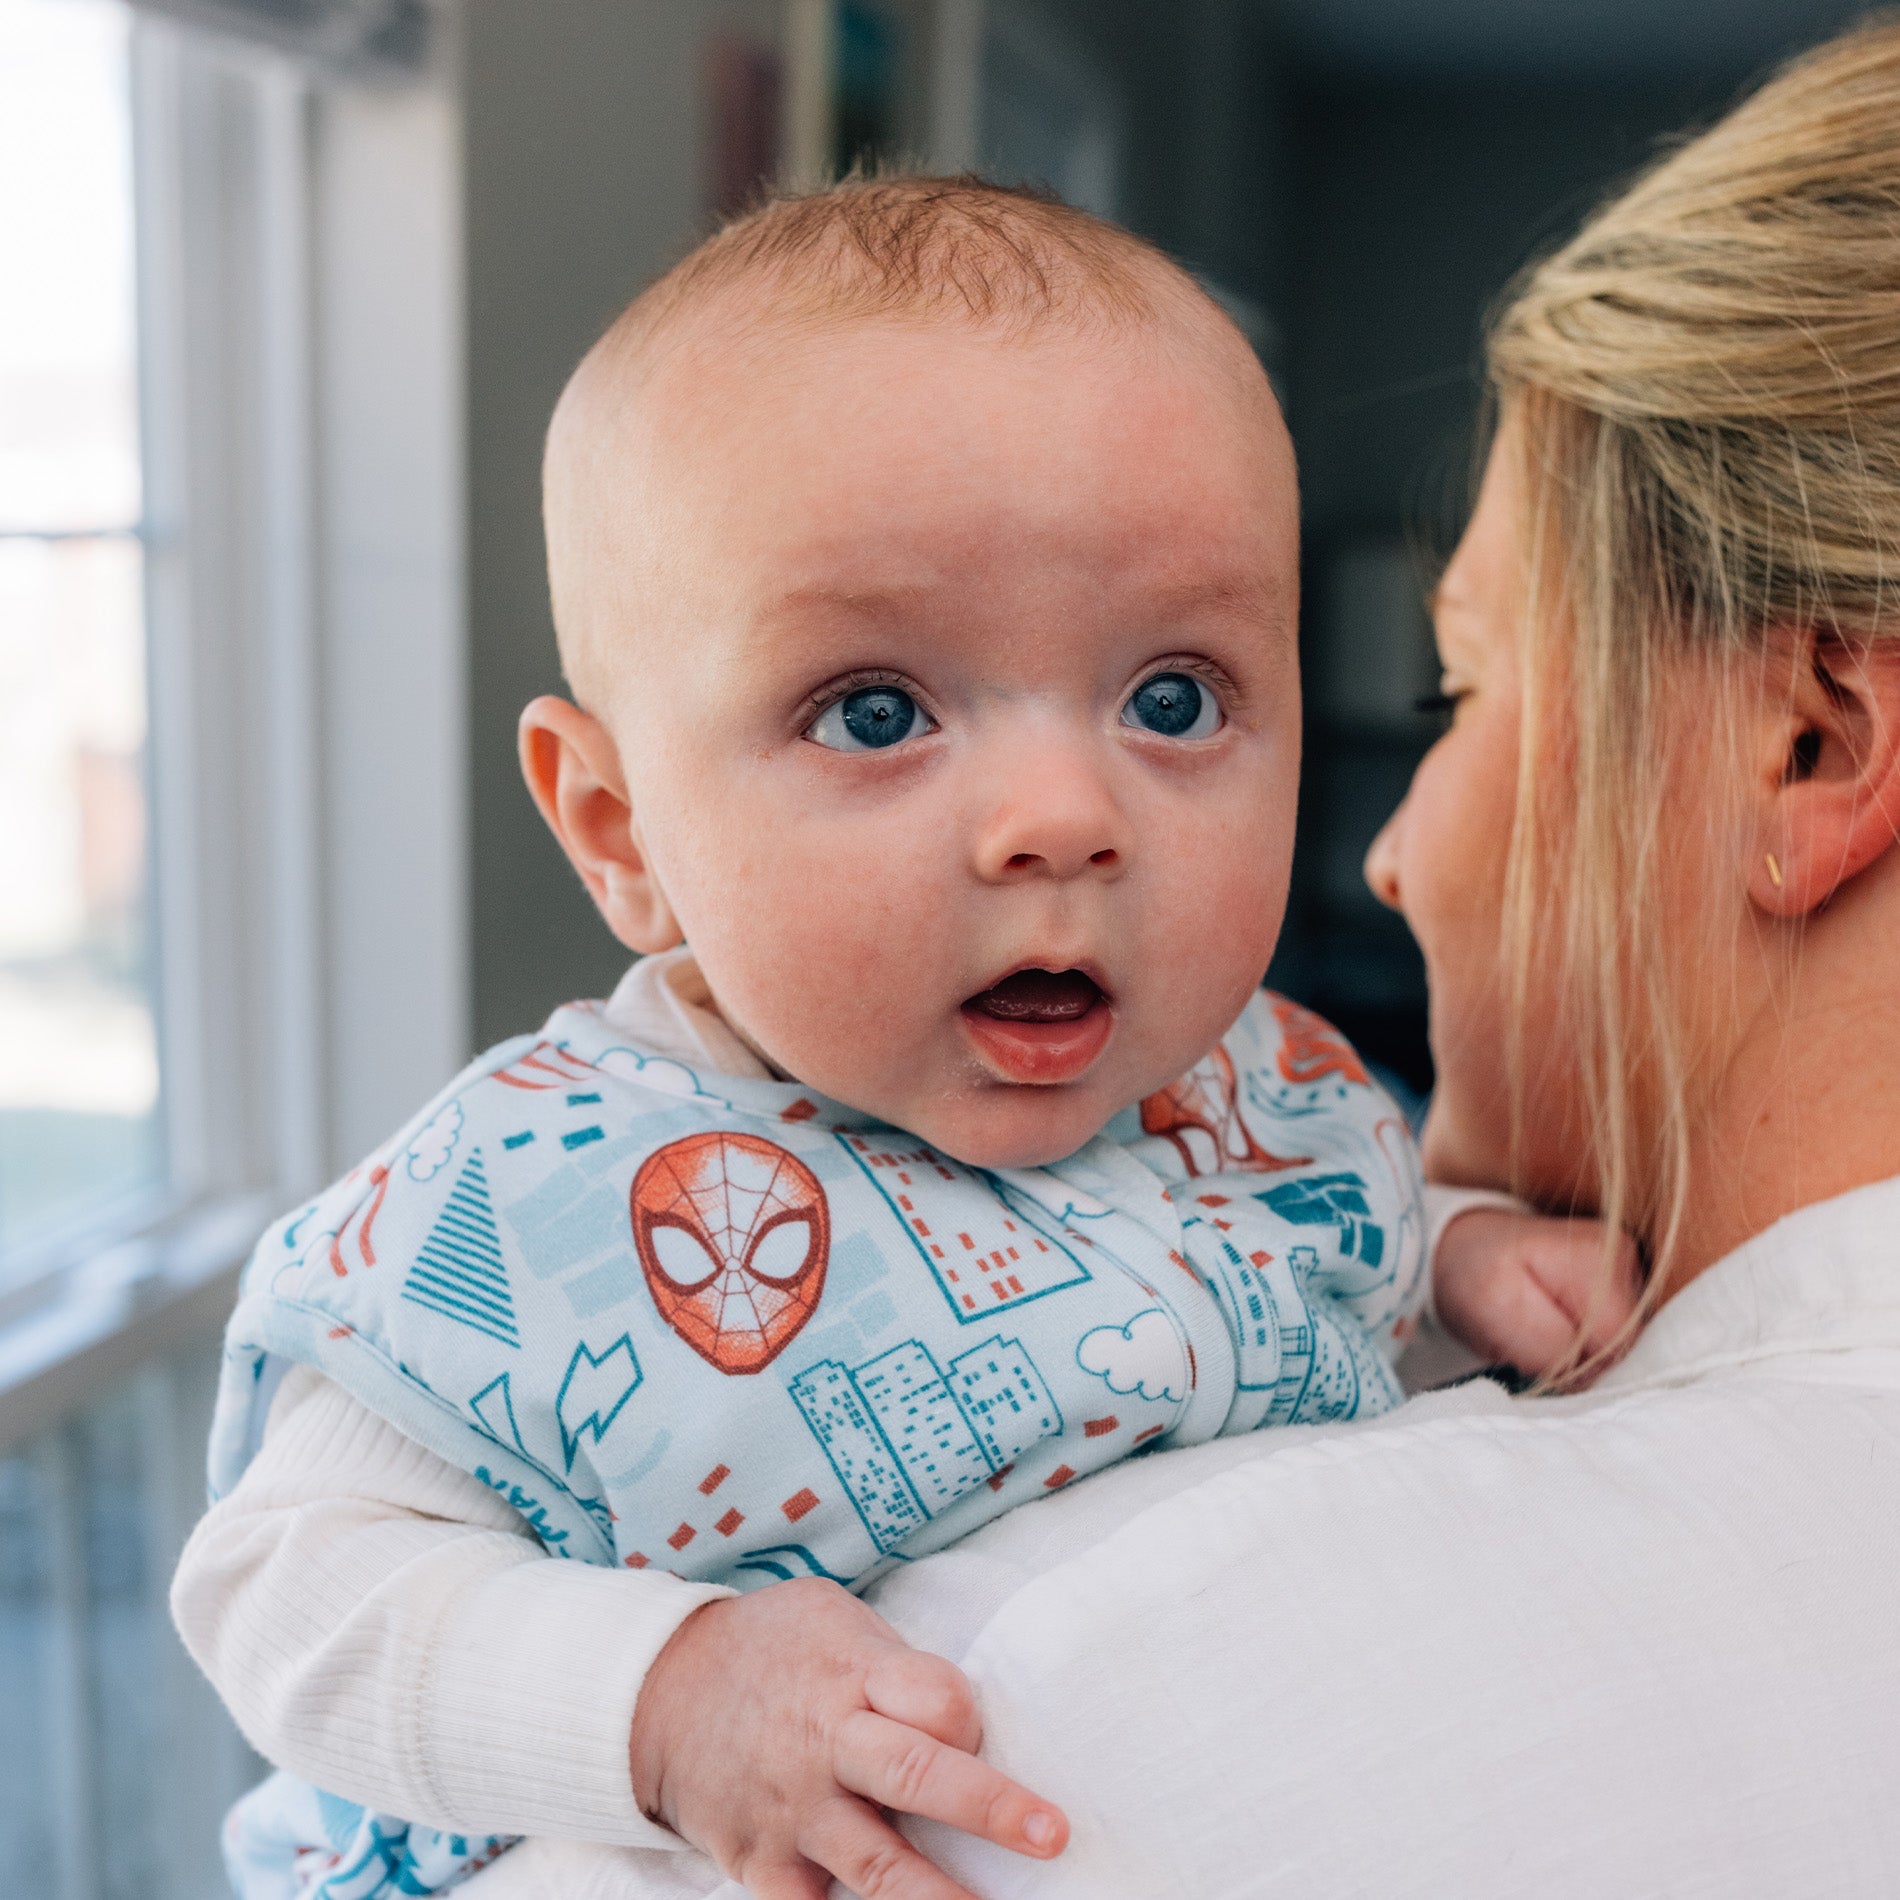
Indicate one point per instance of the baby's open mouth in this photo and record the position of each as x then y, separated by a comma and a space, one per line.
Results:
1042, 1026
1039, 996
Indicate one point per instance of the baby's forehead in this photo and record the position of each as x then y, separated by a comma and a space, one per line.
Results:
732, 366
670, 424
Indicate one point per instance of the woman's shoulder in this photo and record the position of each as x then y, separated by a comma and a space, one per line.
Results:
1420, 1486
1612, 1607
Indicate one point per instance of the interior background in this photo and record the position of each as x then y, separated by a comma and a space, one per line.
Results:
381, 234
1361, 177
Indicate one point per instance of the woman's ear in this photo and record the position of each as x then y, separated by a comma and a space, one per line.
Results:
573, 769
1832, 785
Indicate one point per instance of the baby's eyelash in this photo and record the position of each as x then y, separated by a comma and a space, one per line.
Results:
1210, 672
832, 691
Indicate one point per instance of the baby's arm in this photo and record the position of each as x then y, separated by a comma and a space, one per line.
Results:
383, 1625
1522, 1289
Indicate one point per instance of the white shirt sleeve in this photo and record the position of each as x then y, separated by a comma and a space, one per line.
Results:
382, 1624
1443, 1205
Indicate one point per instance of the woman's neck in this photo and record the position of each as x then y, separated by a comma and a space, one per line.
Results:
1809, 1102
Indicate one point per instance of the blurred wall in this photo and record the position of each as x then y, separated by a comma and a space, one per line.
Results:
1409, 205
582, 181
390, 585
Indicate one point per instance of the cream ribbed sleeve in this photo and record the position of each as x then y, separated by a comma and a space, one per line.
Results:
380, 1623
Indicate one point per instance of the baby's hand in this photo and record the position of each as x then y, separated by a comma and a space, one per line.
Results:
772, 1728
1517, 1289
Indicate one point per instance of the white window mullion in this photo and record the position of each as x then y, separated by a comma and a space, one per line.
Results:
236, 713
172, 669
292, 711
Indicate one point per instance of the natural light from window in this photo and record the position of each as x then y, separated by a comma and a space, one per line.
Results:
79, 1081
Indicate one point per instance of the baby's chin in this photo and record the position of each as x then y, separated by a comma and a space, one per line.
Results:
1013, 1126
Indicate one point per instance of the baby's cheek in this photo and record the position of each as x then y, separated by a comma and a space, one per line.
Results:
1228, 901
830, 976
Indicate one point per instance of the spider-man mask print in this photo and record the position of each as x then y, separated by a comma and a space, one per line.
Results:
733, 1233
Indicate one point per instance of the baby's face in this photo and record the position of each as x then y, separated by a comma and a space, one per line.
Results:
966, 660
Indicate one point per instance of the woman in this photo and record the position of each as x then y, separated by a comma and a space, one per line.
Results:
1643, 1638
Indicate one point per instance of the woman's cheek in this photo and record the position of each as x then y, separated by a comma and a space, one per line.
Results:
1451, 850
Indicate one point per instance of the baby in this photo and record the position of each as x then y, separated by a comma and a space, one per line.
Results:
924, 563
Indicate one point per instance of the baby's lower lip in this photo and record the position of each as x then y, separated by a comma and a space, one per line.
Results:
1047, 1031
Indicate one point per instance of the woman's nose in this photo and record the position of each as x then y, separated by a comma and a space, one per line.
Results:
1382, 861
1056, 819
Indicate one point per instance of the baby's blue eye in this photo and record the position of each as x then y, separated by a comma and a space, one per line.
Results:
1175, 706
869, 720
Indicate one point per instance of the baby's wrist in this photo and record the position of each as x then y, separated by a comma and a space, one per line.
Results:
665, 1693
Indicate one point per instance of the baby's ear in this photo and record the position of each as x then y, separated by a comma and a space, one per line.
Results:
573, 769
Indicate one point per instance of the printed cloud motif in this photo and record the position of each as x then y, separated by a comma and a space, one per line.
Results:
654, 1072
429, 1152
311, 1256
1142, 1357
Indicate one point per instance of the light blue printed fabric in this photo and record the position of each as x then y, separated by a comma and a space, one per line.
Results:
288, 1841
744, 1333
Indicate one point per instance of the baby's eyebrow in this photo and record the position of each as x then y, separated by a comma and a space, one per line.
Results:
1246, 596
834, 598
1221, 593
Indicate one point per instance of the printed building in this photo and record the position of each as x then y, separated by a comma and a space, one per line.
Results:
906, 1439
1003, 1395
841, 1421
923, 1424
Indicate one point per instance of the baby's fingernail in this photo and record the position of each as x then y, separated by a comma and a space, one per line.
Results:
1040, 1829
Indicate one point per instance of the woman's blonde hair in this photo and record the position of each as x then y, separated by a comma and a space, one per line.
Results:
1702, 389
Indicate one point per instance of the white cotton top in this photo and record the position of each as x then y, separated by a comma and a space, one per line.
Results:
382, 1624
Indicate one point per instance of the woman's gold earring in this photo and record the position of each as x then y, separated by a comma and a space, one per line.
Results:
1774, 869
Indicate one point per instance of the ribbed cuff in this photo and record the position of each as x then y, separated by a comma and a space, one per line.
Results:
527, 1700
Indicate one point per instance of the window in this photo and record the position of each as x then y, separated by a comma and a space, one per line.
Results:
79, 1075
229, 512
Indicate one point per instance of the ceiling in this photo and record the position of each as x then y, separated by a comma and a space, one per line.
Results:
1556, 39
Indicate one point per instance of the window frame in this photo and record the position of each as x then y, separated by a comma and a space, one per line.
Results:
298, 283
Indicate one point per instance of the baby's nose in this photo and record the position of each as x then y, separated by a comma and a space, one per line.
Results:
1056, 821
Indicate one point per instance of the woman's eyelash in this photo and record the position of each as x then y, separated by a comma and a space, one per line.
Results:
1437, 702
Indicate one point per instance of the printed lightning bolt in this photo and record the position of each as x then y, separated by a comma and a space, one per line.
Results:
595, 1389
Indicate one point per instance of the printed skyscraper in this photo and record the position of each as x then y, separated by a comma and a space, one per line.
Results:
906, 1439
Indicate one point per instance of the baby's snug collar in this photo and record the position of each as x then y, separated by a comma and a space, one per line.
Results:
588, 1032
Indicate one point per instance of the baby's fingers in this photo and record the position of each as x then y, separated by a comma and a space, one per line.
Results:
869, 1856
1614, 1297
902, 1768
1567, 1261
923, 1691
